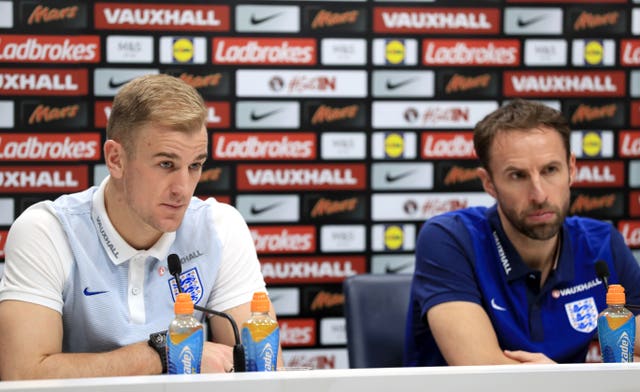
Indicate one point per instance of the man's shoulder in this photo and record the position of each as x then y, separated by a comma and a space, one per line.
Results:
469, 214
586, 225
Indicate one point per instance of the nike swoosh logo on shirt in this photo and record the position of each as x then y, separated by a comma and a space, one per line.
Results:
393, 178
496, 306
258, 117
90, 293
392, 86
256, 21
527, 22
256, 211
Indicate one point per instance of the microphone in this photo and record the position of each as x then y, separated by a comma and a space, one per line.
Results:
175, 269
602, 273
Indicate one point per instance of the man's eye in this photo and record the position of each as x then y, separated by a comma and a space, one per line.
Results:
196, 166
166, 165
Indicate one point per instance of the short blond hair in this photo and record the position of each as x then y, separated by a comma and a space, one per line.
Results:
162, 100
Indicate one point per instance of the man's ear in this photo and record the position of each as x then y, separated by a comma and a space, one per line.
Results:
487, 183
572, 168
114, 157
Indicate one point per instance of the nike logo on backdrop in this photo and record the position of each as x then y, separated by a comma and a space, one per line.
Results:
393, 178
258, 117
394, 270
256, 211
256, 21
527, 22
113, 84
392, 86
90, 293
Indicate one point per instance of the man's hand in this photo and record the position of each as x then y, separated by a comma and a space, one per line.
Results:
216, 358
526, 357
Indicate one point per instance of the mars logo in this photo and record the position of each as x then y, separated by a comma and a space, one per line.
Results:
46, 114
331, 115
334, 207
465, 84
607, 205
599, 174
67, 16
604, 115
207, 83
590, 21
338, 20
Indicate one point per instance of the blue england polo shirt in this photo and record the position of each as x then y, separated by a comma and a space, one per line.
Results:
475, 262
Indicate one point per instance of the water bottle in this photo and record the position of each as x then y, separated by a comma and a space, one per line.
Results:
616, 328
185, 339
260, 336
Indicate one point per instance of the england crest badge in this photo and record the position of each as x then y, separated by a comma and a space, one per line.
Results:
582, 314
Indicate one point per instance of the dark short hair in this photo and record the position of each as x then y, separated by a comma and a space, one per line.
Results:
518, 115
162, 100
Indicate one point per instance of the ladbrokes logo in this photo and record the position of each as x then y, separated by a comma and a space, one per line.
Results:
599, 174
564, 84
284, 239
45, 147
332, 116
630, 230
297, 332
43, 114
24, 179
122, 16
264, 51
325, 20
30, 81
629, 144
484, 52
316, 269
436, 20
630, 52
49, 48
448, 145
302, 176
233, 145
610, 114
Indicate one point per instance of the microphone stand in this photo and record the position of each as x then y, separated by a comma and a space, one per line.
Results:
238, 348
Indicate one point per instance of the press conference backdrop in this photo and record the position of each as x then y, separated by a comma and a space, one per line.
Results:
336, 127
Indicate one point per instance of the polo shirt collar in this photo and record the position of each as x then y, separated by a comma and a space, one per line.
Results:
114, 245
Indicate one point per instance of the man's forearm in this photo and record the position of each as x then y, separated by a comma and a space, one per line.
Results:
135, 359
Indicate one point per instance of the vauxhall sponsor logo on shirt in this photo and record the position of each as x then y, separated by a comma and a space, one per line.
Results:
494, 52
31, 81
436, 20
45, 147
264, 51
23, 179
234, 145
312, 269
284, 239
448, 145
629, 144
49, 48
564, 83
163, 17
577, 289
599, 173
630, 52
302, 176
297, 332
